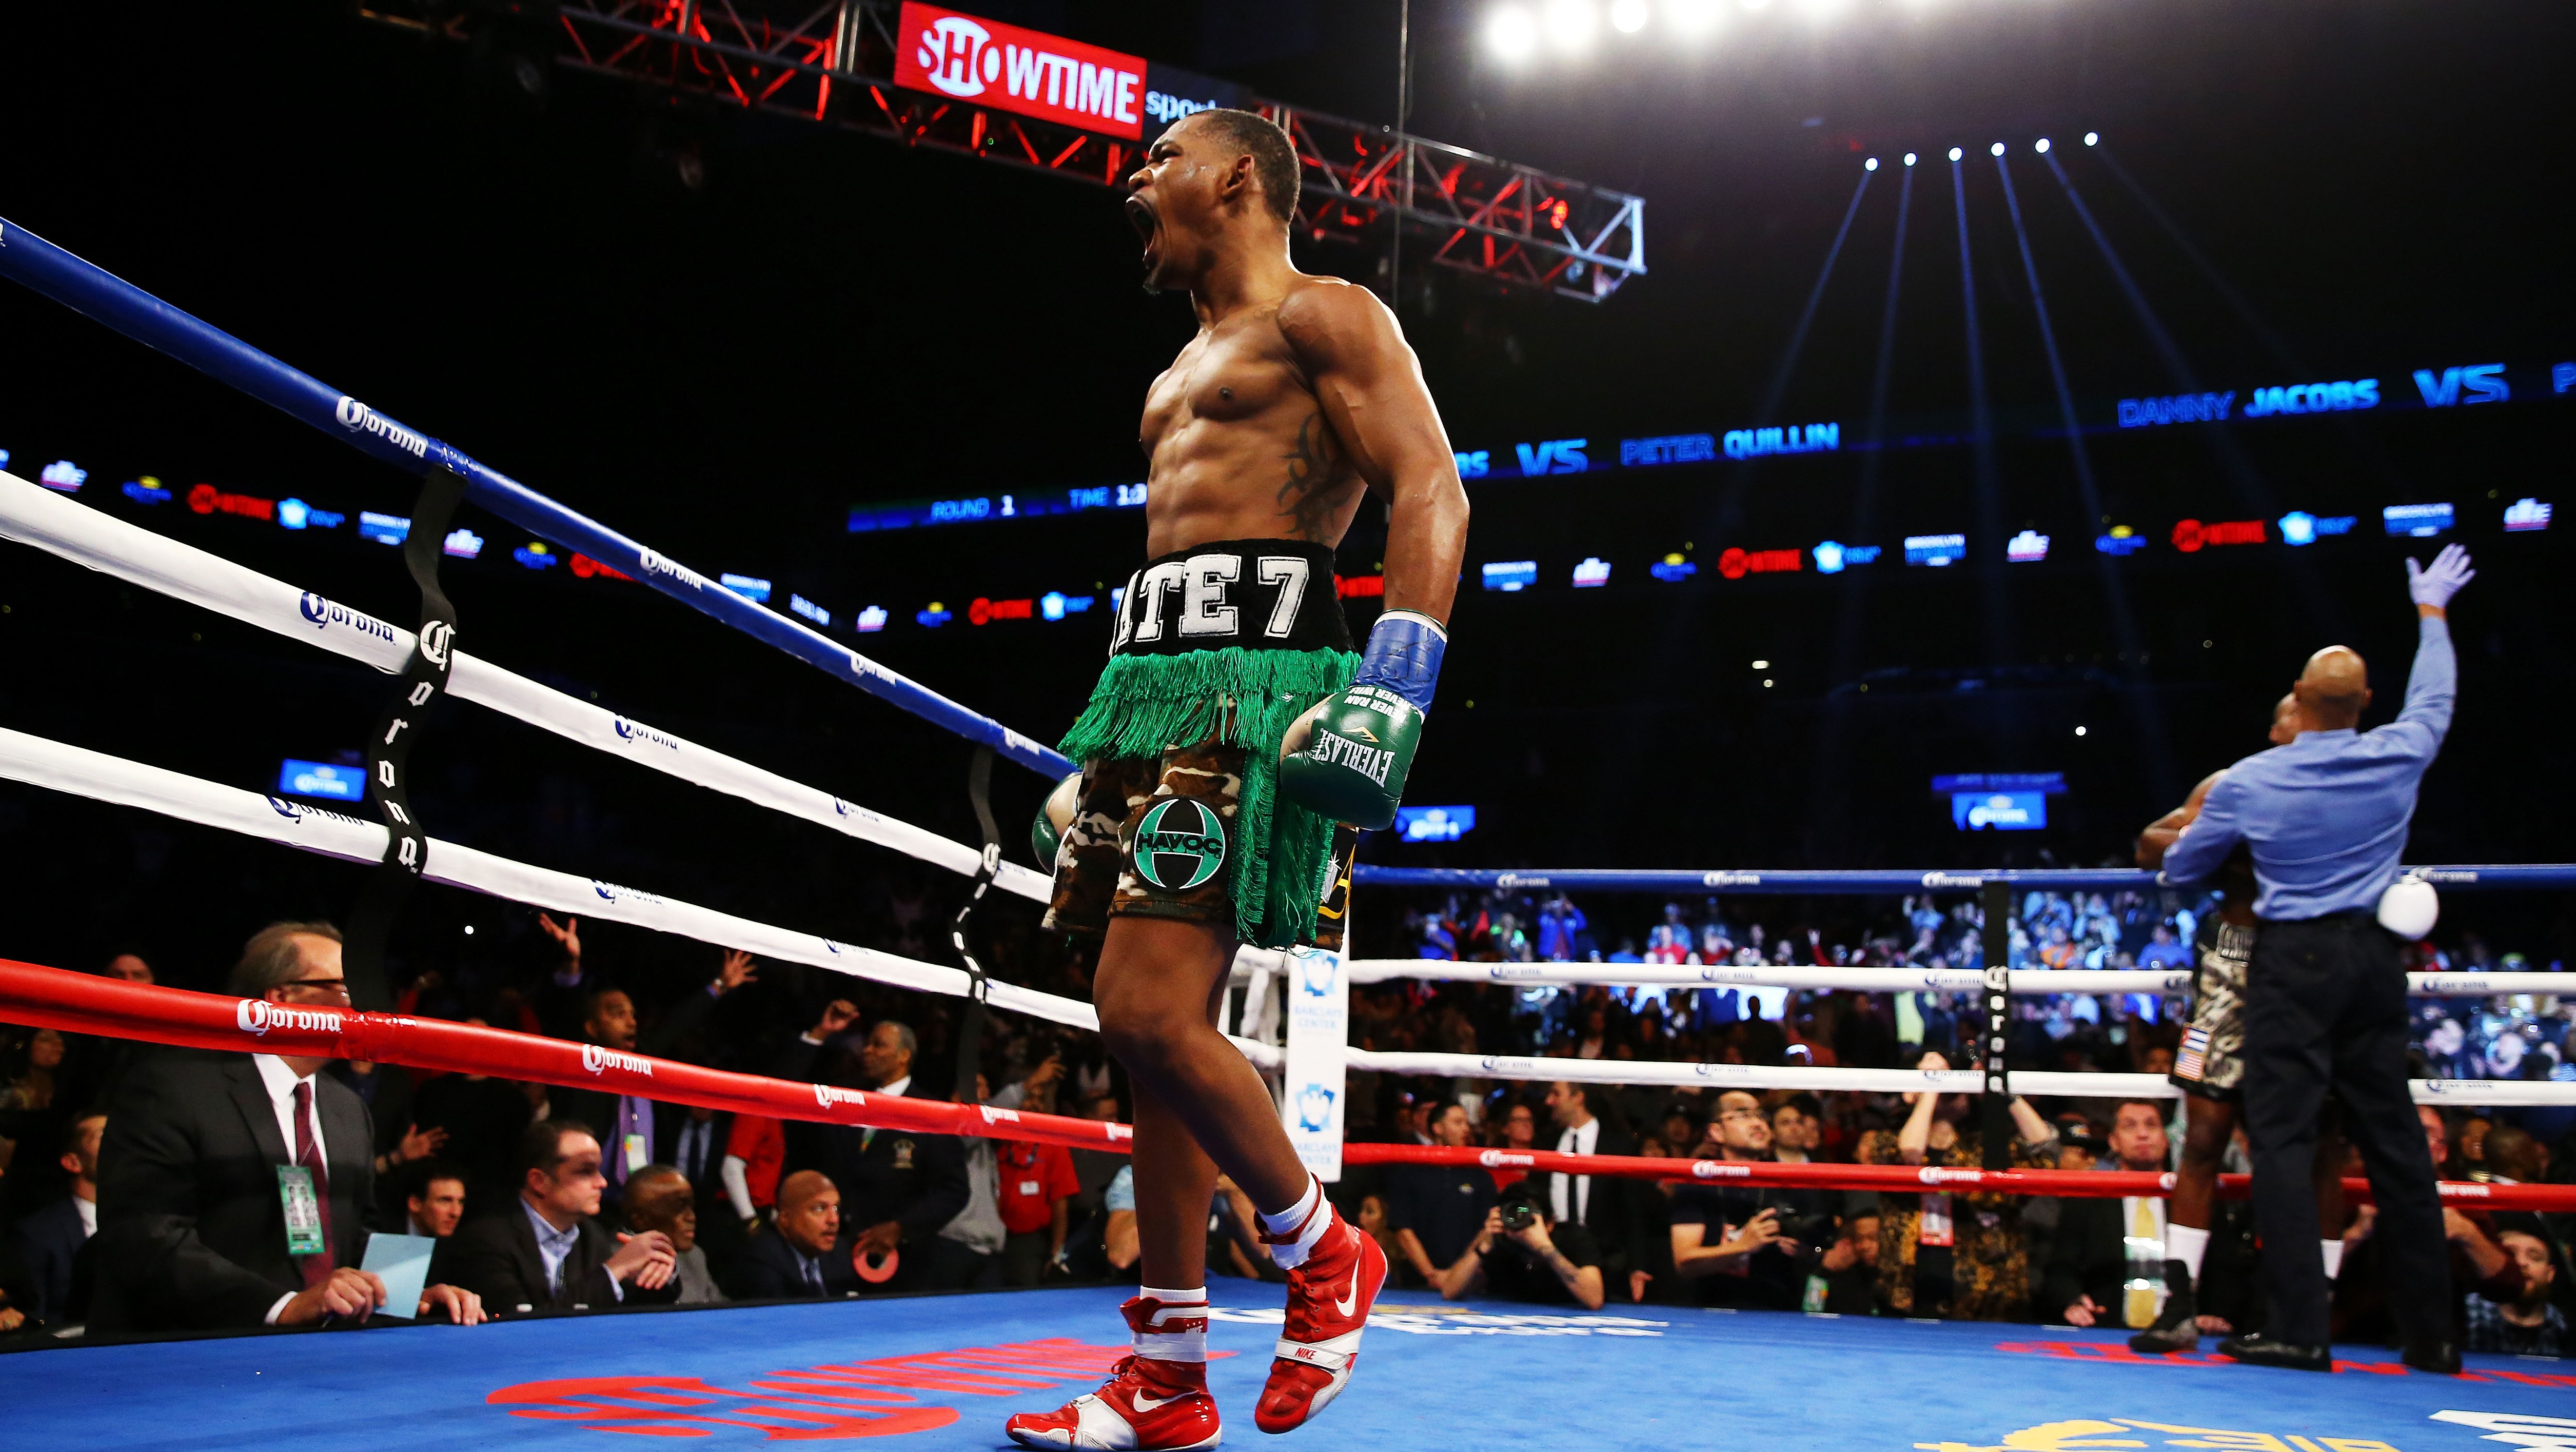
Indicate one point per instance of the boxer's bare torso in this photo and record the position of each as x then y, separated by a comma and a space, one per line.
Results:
1236, 439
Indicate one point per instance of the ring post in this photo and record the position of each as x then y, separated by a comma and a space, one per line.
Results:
1995, 1118
1313, 1070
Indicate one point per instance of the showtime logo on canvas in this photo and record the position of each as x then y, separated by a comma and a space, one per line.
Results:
951, 53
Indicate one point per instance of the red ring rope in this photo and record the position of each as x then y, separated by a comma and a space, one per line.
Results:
78, 1003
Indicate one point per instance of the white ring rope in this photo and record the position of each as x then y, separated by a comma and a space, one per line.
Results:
39, 517
1894, 980
100, 777
2046, 1083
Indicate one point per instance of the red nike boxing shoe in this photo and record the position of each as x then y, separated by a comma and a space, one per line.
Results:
1147, 1405
1329, 1297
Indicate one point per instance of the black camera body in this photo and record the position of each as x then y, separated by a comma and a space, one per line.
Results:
1519, 1208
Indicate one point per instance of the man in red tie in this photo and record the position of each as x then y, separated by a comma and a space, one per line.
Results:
234, 1193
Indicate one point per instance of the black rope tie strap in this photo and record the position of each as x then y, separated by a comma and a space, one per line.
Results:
424, 680
970, 1024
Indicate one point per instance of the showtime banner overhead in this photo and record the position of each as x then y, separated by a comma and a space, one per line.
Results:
950, 53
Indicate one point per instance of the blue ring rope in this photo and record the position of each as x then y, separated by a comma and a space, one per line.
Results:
106, 298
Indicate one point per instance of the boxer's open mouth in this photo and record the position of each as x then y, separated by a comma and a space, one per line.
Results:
1140, 215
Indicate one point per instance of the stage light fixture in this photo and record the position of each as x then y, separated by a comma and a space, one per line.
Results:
1870, 165
1570, 22
1996, 150
1909, 158
2040, 146
1628, 16
2092, 138
1956, 153
2079, 730
1512, 32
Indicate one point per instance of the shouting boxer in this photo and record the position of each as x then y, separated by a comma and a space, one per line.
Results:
1232, 730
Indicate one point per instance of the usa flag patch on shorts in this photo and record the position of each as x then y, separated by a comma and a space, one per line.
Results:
2192, 1060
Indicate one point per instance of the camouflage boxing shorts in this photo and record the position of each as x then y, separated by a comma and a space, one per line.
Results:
1153, 837
2211, 1061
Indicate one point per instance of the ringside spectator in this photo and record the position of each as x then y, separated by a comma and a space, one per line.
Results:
1435, 1211
204, 1154
660, 1198
2105, 1266
802, 1255
2529, 1324
552, 1254
52, 1240
898, 1186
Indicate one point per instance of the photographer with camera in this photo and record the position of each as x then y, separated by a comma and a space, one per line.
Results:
1747, 1245
1525, 1254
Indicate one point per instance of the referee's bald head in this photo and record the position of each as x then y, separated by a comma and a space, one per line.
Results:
2334, 689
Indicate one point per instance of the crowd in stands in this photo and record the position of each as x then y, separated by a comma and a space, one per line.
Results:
145, 1189
1995, 1257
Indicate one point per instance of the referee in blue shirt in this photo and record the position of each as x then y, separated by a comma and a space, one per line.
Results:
2326, 817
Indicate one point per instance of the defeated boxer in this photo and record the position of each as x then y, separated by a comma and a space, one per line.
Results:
1233, 744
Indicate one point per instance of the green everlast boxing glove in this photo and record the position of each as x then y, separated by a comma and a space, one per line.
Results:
1055, 814
1352, 764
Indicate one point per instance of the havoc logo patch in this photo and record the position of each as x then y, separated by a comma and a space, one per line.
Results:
1179, 845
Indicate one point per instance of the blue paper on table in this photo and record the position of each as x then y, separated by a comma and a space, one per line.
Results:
402, 1263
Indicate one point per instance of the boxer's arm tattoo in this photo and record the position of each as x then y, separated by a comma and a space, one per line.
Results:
1308, 496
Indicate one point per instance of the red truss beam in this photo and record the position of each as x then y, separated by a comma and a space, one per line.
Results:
830, 62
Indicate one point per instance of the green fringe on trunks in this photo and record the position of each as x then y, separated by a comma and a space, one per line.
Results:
1146, 703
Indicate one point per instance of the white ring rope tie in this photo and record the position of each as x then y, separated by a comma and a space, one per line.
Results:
1893, 980
39, 517
2045, 1083
100, 777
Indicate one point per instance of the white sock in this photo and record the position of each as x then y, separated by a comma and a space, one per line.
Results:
1177, 1331
2332, 1251
1306, 1221
2186, 1243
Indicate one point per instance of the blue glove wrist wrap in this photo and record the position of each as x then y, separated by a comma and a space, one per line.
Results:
1403, 656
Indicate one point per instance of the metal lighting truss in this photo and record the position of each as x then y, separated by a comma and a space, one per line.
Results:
828, 61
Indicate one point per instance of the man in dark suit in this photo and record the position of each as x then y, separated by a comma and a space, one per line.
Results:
1603, 1204
50, 1240
553, 1254
900, 1187
626, 1123
204, 1155
2106, 1266
800, 1256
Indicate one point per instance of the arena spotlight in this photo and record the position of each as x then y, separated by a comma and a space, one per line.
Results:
2040, 146
1995, 150
1512, 32
1627, 16
1870, 165
2079, 730
1570, 22
1909, 158
2092, 138
1956, 153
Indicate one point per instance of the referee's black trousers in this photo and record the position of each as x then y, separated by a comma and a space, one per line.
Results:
2326, 1007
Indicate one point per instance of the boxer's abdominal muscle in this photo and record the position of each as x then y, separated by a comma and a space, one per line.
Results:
1238, 448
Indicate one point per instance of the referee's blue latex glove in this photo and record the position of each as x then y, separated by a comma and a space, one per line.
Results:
2436, 585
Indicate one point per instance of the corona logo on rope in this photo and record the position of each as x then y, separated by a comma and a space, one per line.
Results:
357, 418
998, 1116
256, 1016
826, 1096
284, 808
638, 731
1506, 1160
1720, 1170
326, 612
652, 562
595, 1058
1730, 879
